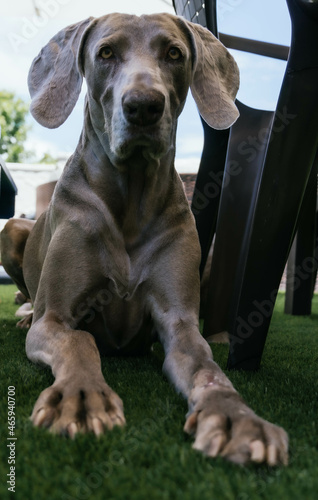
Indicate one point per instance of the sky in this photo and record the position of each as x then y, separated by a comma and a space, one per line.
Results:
22, 36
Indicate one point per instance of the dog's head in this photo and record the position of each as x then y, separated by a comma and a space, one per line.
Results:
138, 72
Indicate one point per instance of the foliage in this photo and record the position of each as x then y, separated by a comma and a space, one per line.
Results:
13, 111
47, 158
13, 116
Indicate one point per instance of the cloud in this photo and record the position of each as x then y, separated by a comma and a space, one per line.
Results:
40, 147
189, 145
14, 78
188, 165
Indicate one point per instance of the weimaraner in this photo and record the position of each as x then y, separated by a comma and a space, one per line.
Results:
115, 258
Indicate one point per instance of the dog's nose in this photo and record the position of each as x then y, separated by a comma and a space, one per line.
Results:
143, 108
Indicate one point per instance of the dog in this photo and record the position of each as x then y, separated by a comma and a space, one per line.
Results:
114, 261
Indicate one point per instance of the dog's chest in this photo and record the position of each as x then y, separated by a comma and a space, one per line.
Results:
116, 311
120, 324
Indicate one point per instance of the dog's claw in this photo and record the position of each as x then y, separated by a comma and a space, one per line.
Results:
120, 421
223, 425
276, 458
258, 452
217, 444
43, 417
39, 417
78, 411
72, 429
97, 426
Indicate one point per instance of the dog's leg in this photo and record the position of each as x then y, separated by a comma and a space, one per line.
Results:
13, 240
79, 399
219, 419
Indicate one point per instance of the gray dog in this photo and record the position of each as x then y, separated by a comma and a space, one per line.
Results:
116, 256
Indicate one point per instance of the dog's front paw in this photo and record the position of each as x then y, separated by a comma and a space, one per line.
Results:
223, 425
68, 410
25, 322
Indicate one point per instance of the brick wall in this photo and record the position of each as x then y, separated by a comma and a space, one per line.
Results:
188, 183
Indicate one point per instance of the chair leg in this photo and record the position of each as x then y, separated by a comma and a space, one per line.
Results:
206, 196
302, 265
291, 152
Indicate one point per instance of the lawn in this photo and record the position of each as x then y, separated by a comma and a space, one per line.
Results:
151, 458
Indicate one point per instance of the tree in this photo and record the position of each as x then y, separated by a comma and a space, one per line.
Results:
13, 111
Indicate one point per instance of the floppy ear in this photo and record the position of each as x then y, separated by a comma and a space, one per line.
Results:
215, 79
55, 80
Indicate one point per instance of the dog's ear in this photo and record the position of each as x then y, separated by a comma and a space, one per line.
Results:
215, 78
55, 80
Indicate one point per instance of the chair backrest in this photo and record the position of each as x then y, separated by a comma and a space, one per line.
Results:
8, 191
198, 11
204, 12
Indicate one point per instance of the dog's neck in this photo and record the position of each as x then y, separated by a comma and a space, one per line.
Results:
135, 192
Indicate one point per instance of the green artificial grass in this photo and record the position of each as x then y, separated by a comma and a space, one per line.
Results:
151, 458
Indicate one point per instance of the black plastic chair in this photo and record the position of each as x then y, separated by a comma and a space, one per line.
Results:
8, 191
258, 209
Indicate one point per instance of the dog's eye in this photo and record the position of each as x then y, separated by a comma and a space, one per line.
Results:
174, 53
106, 53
